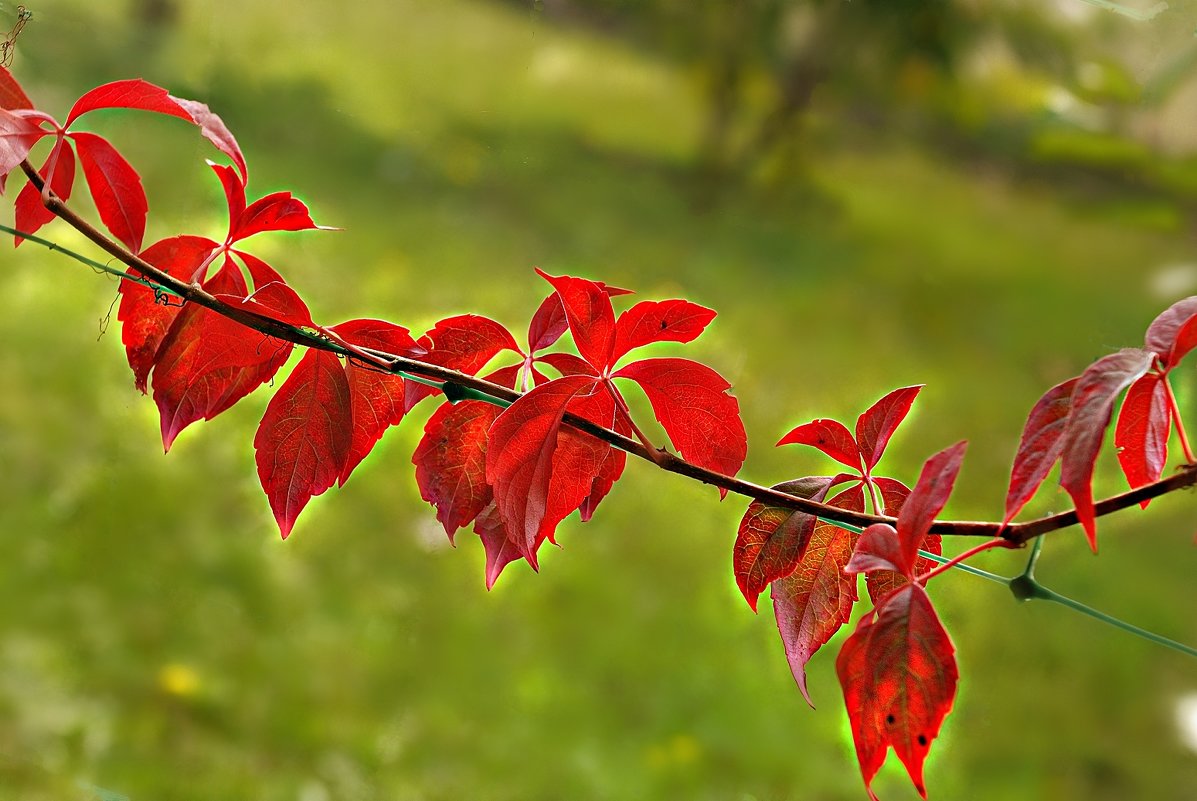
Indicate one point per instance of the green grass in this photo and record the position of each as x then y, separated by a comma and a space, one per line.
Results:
160, 642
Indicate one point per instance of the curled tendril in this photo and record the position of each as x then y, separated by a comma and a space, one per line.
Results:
9, 44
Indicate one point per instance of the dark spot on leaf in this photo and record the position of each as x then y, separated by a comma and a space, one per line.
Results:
889, 720
923, 740
664, 325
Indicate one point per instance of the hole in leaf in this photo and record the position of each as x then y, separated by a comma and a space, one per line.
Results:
889, 720
923, 740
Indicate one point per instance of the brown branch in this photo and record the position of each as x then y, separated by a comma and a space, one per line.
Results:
1018, 533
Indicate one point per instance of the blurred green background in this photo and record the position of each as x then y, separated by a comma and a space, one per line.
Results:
983, 196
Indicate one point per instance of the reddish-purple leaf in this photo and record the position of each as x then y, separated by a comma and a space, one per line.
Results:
12, 96
451, 462
376, 397
772, 539
215, 131
878, 423
520, 464
17, 137
591, 318
1141, 435
1174, 332
691, 402
881, 583
831, 437
659, 321
1092, 406
816, 599
464, 343
305, 436
898, 672
30, 213
206, 362
927, 500
1040, 447
145, 320
879, 548
116, 188
138, 94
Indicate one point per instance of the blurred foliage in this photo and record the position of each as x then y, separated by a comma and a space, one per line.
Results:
157, 640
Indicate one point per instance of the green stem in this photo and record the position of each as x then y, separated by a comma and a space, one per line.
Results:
95, 265
975, 571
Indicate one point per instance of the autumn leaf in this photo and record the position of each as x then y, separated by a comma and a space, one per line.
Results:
1173, 333
532, 496
829, 436
30, 213
692, 403
771, 539
816, 598
1141, 435
1092, 407
115, 187
1040, 447
464, 343
305, 436
877, 424
144, 319
898, 673
659, 321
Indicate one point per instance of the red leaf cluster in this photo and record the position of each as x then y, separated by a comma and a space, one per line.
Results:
517, 473
898, 669
1068, 424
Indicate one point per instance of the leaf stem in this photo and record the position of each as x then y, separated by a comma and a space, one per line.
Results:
955, 561
1180, 426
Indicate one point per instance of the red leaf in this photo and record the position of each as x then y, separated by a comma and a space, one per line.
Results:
659, 321
927, 500
1174, 332
1040, 447
1141, 435
207, 362
376, 397
691, 402
279, 211
591, 318
1092, 406
531, 493
305, 436
17, 137
878, 423
12, 96
549, 323
116, 188
831, 437
567, 364
500, 550
30, 213
816, 599
138, 94
881, 583
144, 320
234, 193
451, 462
878, 548
464, 343
134, 93
898, 672
582, 458
771, 540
